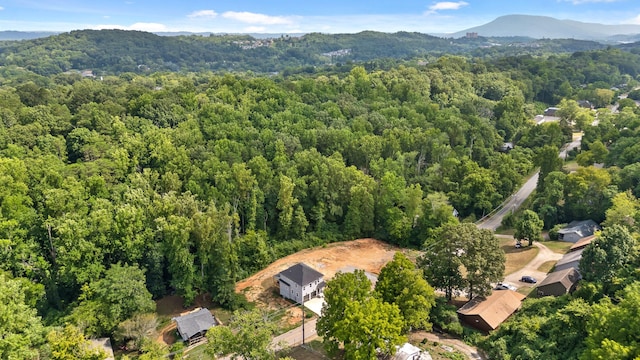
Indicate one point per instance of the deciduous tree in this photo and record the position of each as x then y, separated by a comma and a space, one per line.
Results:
342, 290
402, 284
529, 227
247, 336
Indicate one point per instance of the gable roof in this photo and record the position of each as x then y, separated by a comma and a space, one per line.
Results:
570, 257
567, 278
194, 323
582, 243
301, 274
495, 308
583, 228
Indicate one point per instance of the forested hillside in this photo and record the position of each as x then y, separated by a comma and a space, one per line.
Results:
122, 189
116, 51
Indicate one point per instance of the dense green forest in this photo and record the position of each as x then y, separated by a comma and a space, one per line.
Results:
115, 51
120, 189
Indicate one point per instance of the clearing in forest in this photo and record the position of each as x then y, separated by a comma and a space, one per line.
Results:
367, 254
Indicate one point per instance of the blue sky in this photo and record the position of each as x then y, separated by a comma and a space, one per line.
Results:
300, 16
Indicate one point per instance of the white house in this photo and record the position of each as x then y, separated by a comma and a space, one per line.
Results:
410, 352
300, 283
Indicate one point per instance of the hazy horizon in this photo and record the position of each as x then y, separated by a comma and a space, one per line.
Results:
251, 16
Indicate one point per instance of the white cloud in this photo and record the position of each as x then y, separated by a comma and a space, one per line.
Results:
203, 14
255, 29
578, 2
1, 8
446, 5
635, 21
253, 18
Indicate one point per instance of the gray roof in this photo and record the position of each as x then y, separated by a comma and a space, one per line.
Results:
566, 277
570, 257
301, 274
194, 323
584, 228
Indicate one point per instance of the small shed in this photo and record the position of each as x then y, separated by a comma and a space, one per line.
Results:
194, 325
487, 313
559, 283
569, 260
577, 230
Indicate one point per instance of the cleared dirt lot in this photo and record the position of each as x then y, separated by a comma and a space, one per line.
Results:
367, 254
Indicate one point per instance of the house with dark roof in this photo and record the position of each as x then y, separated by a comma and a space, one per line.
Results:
569, 260
585, 104
300, 283
576, 230
559, 283
582, 243
194, 325
551, 111
487, 313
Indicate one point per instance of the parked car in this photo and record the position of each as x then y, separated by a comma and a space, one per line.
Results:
518, 245
529, 279
503, 286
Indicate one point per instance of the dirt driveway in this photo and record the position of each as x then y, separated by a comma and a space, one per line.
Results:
367, 254
544, 255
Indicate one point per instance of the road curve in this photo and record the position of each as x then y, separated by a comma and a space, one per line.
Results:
494, 221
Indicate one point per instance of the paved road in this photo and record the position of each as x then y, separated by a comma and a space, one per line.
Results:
294, 337
570, 146
512, 204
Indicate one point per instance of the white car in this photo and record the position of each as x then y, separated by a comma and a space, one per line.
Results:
503, 286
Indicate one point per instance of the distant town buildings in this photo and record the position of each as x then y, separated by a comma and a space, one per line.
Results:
341, 52
472, 35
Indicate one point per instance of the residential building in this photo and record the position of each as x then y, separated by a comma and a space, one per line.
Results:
487, 313
194, 325
559, 282
569, 260
300, 283
576, 230
410, 352
582, 243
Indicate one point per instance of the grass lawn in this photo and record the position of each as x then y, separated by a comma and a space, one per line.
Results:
547, 266
570, 166
197, 353
516, 258
310, 351
560, 247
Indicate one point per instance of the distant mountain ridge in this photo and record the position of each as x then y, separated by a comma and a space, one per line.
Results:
24, 35
539, 27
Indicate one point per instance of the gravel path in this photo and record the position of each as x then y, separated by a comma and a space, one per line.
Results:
544, 255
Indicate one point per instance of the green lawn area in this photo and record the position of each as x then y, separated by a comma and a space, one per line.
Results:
547, 266
516, 258
560, 247
310, 351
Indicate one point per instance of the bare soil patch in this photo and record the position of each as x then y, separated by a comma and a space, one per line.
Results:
367, 254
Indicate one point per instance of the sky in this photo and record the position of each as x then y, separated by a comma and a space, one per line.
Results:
297, 16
